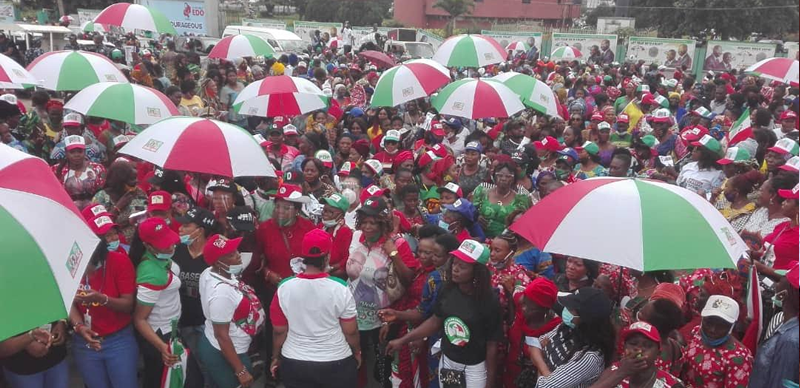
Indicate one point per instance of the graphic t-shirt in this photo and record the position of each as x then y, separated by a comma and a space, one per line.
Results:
468, 324
157, 285
191, 268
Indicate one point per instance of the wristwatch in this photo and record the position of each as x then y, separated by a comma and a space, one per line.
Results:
394, 253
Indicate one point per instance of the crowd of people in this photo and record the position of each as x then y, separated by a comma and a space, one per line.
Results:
381, 253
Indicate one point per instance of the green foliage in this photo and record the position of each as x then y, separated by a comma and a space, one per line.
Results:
455, 8
601, 11
392, 23
359, 13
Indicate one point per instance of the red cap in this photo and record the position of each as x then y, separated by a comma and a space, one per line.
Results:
346, 168
643, 328
101, 224
439, 150
279, 121
316, 243
694, 133
437, 128
548, 143
542, 292
623, 118
788, 115
159, 201
95, 210
597, 116
290, 192
156, 232
790, 194
371, 191
453, 188
218, 246
426, 159
648, 99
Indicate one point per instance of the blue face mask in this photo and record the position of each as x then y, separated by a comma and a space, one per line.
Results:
366, 181
444, 225
713, 343
567, 317
113, 246
185, 240
164, 256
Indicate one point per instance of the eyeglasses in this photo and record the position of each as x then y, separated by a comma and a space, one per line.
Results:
284, 207
504, 176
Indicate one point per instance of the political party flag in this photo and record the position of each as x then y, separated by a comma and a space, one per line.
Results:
175, 376
741, 129
634, 115
754, 311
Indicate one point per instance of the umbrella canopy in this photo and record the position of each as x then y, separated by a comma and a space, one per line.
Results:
470, 51
135, 17
656, 226
565, 53
74, 70
200, 145
90, 26
517, 46
129, 103
14, 76
535, 94
784, 70
280, 95
45, 244
409, 81
476, 99
378, 58
240, 46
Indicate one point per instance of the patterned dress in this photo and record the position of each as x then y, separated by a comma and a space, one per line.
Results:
521, 280
663, 379
726, 366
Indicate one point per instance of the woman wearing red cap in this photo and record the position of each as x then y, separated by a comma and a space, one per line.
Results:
780, 250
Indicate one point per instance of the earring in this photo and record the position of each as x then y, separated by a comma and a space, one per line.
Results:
475, 282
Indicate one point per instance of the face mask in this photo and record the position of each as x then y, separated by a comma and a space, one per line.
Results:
567, 317
366, 181
285, 222
561, 174
330, 223
444, 225
713, 343
186, 240
502, 263
730, 196
113, 246
164, 256
234, 269
777, 303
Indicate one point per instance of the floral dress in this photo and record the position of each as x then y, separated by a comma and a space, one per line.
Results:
496, 213
81, 187
727, 366
521, 280
662, 380
137, 204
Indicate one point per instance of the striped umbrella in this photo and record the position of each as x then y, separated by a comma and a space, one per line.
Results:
565, 53
409, 81
135, 17
470, 51
36, 255
129, 103
90, 26
517, 46
240, 46
476, 99
280, 95
14, 76
74, 70
535, 94
200, 145
784, 70
657, 226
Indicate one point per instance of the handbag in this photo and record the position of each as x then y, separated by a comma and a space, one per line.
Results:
394, 287
452, 378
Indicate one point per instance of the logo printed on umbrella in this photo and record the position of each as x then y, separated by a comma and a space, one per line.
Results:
74, 259
17, 72
729, 235
152, 145
459, 106
154, 112
408, 91
253, 110
111, 78
488, 56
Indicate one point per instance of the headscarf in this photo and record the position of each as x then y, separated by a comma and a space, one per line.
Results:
671, 292
613, 93
401, 157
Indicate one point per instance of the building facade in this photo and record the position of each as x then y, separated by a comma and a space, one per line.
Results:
553, 13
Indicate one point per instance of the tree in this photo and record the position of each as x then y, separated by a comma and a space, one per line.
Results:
601, 11
455, 8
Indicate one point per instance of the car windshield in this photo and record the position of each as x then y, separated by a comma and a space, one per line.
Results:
292, 46
419, 50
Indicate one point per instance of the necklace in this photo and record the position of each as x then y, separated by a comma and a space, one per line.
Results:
503, 198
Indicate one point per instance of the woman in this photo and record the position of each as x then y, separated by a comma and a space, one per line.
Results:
228, 94
334, 208
664, 311
343, 146
638, 368
233, 315
308, 145
472, 172
210, 95
589, 158
123, 197
104, 345
37, 359
572, 134
458, 218
575, 353
81, 178
781, 246
314, 182
630, 95
535, 262
579, 273
703, 174
409, 195
739, 208
469, 316
376, 127
603, 142
768, 214
496, 203
358, 128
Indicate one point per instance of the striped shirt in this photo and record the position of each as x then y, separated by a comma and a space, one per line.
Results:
579, 371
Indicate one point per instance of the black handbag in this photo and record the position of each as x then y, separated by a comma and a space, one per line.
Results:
452, 378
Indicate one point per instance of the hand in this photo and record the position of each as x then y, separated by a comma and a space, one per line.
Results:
508, 283
273, 367
89, 336
245, 379
387, 315
544, 342
90, 297
394, 346
383, 333
272, 278
37, 349
357, 356
417, 346
395, 225
631, 364
167, 356
59, 332
42, 336
389, 246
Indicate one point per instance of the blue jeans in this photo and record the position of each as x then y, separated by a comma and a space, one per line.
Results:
113, 366
55, 377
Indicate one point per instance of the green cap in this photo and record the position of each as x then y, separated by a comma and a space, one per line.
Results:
432, 193
116, 54
709, 143
649, 140
471, 251
338, 201
589, 147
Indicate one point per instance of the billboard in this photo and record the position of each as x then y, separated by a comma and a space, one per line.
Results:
507, 37
87, 15
585, 43
724, 55
673, 53
188, 17
266, 23
305, 30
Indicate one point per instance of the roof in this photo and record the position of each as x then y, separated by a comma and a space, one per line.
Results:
276, 33
35, 28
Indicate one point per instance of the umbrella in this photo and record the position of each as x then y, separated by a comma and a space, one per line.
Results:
654, 226
129, 103
784, 70
240, 46
470, 51
45, 242
565, 53
518, 46
535, 94
475, 99
200, 145
74, 70
90, 26
135, 17
280, 95
175, 375
14, 76
378, 58
409, 81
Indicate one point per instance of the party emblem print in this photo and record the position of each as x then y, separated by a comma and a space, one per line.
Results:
457, 331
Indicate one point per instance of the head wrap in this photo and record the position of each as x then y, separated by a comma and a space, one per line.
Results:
401, 157
542, 292
671, 292
54, 104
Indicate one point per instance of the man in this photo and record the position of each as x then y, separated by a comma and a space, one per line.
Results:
607, 54
323, 348
620, 163
719, 103
714, 61
684, 60
671, 60
276, 149
9, 140
99, 47
788, 122
73, 125
73, 43
455, 136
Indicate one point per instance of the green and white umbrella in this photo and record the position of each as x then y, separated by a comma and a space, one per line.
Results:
409, 81
476, 99
90, 26
74, 70
566, 53
129, 103
470, 51
535, 94
135, 17
45, 244
518, 46
656, 226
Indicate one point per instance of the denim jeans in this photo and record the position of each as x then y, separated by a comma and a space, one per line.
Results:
113, 366
220, 372
55, 377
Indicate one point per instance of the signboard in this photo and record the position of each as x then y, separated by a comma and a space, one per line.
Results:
188, 17
305, 30
792, 48
724, 56
6, 13
507, 37
87, 15
433, 39
600, 47
673, 53
267, 23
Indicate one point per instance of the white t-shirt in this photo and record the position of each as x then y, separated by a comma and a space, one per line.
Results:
695, 179
219, 299
165, 298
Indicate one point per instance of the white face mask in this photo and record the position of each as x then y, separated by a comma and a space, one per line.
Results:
502, 263
330, 223
351, 195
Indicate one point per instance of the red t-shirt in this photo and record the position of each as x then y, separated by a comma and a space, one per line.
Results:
272, 243
340, 251
786, 241
115, 278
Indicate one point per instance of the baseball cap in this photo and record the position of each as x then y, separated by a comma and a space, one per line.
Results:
338, 201
291, 193
649, 140
471, 251
642, 328
597, 116
156, 232
589, 147
199, 216
241, 219
568, 153
218, 246
325, 157
374, 165
648, 99
694, 133
662, 116
453, 188
346, 168
603, 126
703, 112
453, 122
790, 194
147, 53
279, 121
101, 224
159, 201
223, 184
463, 207
548, 143
72, 142
439, 150
662, 101
121, 139
735, 154
392, 135
590, 303
356, 112
261, 140
374, 206
372, 191
520, 158
788, 115
72, 120
723, 307
316, 243
474, 146
791, 165
426, 159
117, 54
709, 143
785, 146
437, 129
623, 118
792, 276
95, 210
289, 129
161, 176
643, 88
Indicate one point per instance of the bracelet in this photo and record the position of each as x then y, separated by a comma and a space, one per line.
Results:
30, 335
106, 301
242, 372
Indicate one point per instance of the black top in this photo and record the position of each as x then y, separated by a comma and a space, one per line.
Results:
191, 268
468, 323
22, 363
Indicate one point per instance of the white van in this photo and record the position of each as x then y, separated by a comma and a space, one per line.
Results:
281, 40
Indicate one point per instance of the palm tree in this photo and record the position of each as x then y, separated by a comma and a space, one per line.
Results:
455, 8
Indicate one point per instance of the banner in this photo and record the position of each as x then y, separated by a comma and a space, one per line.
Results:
188, 17
599, 49
266, 23
7, 13
435, 40
673, 53
507, 37
724, 56
793, 48
305, 30
87, 15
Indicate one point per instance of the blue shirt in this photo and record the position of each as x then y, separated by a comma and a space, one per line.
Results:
537, 261
777, 358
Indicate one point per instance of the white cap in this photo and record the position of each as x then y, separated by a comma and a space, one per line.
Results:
392, 135
375, 166
74, 141
289, 129
723, 307
9, 98
72, 119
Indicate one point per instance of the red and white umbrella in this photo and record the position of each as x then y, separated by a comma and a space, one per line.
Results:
566, 53
74, 70
409, 81
517, 46
135, 17
280, 95
476, 99
784, 70
470, 51
241, 46
200, 145
129, 103
14, 76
